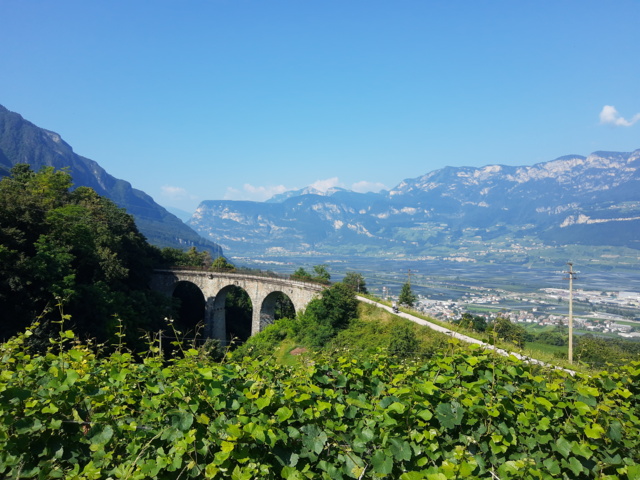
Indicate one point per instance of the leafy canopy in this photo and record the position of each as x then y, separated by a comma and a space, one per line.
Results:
356, 282
321, 275
74, 249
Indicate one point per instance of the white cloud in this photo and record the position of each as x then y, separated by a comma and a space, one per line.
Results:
364, 187
175, 193
610, 115
253, 193
324, 185
262, 193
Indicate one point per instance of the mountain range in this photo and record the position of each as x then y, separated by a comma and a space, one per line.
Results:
461, 212
572, 200
23, 142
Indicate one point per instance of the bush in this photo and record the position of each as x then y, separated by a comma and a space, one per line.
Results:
403, 343
324, 317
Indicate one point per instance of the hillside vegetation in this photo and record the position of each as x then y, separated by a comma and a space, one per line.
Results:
464, 413
73, 253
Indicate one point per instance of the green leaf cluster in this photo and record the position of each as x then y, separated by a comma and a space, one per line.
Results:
73, 248
476, 323
325, 317
464, 414
504, 329
356, 282
320, 275
315, 327
600, 351
175, 257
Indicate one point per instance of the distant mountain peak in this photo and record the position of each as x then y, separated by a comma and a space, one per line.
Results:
281, 197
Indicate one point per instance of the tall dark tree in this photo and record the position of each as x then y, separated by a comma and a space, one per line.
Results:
284, 307
407, 297
238, 314
71, 251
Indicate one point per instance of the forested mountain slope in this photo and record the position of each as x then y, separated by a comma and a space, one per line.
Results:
23, 142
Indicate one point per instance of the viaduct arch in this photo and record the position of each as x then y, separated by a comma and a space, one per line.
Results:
214, 286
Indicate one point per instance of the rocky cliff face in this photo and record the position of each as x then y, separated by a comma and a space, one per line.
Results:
592, 200
23, 142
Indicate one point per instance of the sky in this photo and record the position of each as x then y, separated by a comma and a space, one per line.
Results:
244, 99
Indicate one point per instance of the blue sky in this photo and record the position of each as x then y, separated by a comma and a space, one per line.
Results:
240, 99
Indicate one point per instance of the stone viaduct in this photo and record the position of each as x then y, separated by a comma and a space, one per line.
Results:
215, 285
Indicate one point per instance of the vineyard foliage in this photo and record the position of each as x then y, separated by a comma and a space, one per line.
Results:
74, 412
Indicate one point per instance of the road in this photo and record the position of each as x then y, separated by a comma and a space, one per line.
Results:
460, 336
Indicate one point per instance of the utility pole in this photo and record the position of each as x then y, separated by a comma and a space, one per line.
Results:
571, 277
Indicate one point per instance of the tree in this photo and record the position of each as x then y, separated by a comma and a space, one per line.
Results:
355, 281
73, 249
221, 264
238, 314
199, 259
325, 316
321, 274
407, 296
476, 323
508, 331
301, 274
174, 257
284, 307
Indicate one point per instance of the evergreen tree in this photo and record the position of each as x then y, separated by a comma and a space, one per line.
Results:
407, 297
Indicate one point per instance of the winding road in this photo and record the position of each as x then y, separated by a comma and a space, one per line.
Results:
460, 336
